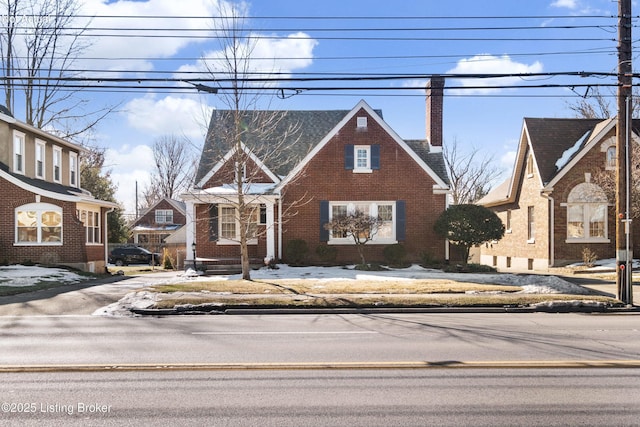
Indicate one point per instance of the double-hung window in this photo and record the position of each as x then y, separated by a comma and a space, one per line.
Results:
362, 158
18, 152
91, 221
229, 224
164, 216
57, 164
40, 158
73, 169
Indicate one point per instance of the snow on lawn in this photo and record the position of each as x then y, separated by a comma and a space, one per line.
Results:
21, 275
531, 283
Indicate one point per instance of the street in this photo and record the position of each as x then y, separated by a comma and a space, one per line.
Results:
478, 369
440, 397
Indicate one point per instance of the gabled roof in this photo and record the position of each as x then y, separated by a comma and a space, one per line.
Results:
309, 127
259, 163
556, 145
176, 204
551, 138
422, 156
312, 128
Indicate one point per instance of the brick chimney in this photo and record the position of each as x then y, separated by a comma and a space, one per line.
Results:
435, 94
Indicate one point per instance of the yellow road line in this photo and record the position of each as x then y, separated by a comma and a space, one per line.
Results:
453, 364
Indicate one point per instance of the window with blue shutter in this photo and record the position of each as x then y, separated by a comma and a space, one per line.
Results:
324, 219
375, 156
401, 233
348, 157
213, 223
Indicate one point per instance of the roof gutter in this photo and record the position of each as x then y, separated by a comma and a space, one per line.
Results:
552, 221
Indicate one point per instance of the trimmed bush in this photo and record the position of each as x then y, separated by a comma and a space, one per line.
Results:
395, 255
296, 252
326, 253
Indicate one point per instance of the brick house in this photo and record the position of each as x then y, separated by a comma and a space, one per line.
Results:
158, 222
551, 207
334, 162
45, 216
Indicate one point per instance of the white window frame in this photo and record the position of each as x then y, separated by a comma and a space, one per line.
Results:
611, 158
39, 209
372, 210
19, 152
74, 175
361, 122
92, 221
366, 168
56, 162
164, 216
222, 240
587, 205
41, 159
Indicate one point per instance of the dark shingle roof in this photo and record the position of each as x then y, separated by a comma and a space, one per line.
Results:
435, 161
550, 138
53, 187
309, 128
302, 130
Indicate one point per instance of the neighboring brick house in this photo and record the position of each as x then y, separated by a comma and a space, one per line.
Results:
158, 222
551, 207
336, 162
45, 216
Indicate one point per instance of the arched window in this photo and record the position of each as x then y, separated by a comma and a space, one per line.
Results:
587, 214
611, 157
39, 223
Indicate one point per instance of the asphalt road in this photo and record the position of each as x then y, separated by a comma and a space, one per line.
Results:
318, 338
440, 397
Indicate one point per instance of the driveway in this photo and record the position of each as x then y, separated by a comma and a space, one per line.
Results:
78, 299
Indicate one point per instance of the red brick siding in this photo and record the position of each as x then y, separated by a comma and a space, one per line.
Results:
399, 178
150, 217
74, 249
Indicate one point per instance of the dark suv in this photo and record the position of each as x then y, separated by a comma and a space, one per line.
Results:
126, 255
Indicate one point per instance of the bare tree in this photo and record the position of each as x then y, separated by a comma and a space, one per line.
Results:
174, 166
470, 173
361, 227
597, 105
39, 45
244, 121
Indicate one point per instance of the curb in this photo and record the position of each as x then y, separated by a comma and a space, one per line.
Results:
216, 310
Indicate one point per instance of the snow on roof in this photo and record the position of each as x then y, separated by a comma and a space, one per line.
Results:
569, 153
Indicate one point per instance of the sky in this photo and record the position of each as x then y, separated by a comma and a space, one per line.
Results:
409, 38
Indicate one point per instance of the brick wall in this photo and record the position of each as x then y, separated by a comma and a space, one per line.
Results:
399, 178
74, 250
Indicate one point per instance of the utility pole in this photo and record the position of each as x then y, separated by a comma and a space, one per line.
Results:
624, 251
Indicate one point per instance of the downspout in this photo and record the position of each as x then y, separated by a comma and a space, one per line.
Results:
106, 239
279, 226
552, 209
446, 241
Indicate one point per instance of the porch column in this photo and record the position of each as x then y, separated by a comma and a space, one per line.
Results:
271, 231
191, 232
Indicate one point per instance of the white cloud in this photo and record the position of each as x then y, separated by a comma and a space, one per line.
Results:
262, 55
170, 115
490, 64
143, 47
569, 4
129, 165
